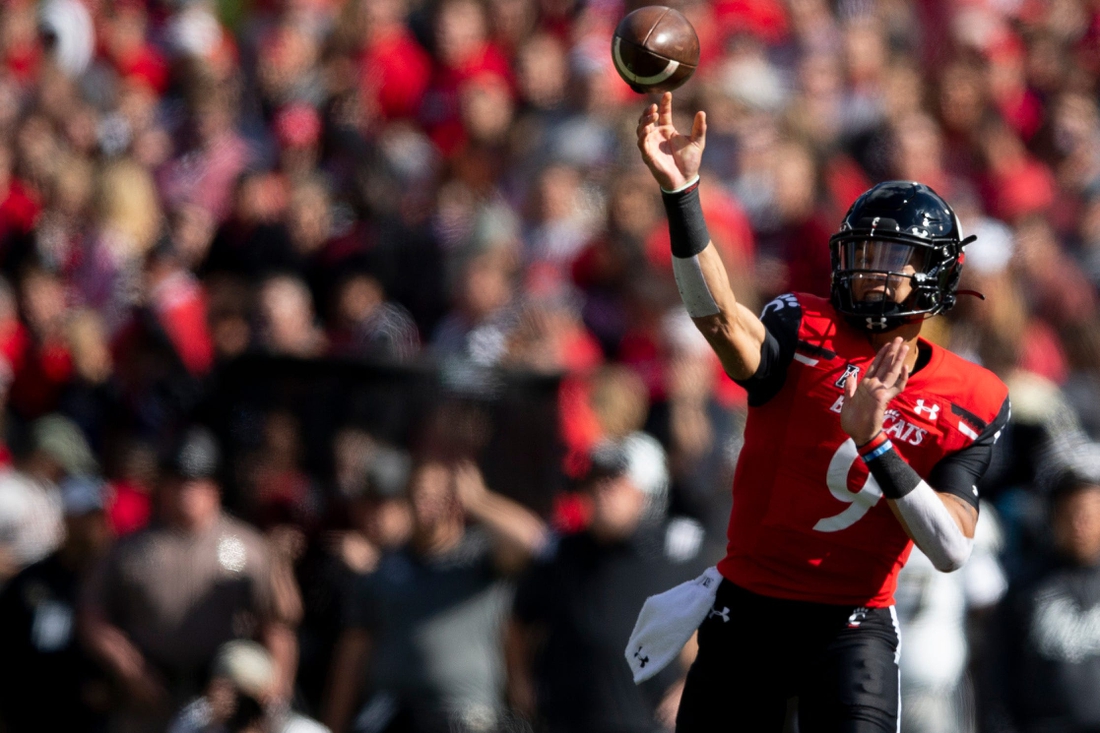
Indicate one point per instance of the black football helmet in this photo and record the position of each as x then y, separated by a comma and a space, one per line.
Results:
891, 228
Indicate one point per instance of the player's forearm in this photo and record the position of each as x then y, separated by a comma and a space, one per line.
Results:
111, 646
922, 511
345, 679
732, 331
282, 644
519, 662
510, 522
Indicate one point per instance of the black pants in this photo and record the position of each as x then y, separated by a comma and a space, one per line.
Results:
756, 652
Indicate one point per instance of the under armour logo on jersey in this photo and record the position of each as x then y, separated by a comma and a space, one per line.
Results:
858, 616
879, 322
850, 370
642, 661
724, 613
778, 304
932, 410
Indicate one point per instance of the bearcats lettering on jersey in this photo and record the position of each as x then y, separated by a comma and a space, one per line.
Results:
809, 521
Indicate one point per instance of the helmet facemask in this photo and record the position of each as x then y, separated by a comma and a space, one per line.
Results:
881, 283
897, 257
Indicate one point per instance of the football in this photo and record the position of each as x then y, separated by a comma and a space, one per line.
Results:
655, 49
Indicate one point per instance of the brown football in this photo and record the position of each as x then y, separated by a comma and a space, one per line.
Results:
655, 49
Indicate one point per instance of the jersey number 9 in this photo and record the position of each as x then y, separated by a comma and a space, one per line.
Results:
837, 478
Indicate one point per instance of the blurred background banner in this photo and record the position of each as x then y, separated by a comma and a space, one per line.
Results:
272, 410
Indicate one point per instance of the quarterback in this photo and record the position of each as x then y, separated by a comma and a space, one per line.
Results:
862, 439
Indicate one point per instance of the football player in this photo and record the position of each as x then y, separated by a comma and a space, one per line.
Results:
862, 438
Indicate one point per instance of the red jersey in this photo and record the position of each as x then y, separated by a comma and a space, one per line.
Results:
809, 521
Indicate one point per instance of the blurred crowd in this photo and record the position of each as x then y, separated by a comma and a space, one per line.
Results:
420, 184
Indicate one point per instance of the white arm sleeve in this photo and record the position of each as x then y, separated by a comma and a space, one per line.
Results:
693, 287
933, 528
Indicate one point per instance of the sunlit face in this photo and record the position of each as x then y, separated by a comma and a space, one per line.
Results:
617, 506
887, 268
189, 502
431, 493
1076, 525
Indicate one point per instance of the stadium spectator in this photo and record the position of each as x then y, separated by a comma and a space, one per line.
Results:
379, 514
45, 363
289, 326
242, 695
373, 519
164, 599
575, 609
31, 526
48, 681
367, 325
935, 610
429, 619
1048, 662
206, 168
477, 329
129, 497
700, 421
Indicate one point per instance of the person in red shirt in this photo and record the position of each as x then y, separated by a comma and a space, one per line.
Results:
463, 52
861, 440
394, 69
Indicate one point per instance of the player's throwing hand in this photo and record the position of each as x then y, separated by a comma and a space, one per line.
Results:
672, 158
866, 400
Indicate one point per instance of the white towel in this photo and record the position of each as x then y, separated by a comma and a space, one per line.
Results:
667, 621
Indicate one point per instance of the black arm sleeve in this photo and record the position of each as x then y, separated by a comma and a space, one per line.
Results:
959, 472
782, 318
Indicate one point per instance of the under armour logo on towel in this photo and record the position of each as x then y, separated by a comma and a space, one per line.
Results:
643, 661
724, 613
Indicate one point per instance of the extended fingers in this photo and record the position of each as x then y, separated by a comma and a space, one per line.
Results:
876, 362
896, 366
647, 121
699, 128
665, 110
903, 379
885, 360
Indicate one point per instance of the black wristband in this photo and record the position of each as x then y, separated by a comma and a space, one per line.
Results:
686, 226
895, 477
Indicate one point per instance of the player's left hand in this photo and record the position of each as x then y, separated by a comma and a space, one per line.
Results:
866, 400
